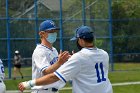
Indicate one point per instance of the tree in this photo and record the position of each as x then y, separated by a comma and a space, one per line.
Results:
126, 26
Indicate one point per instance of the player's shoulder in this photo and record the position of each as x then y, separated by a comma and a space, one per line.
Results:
76, 55
54, 49
39, 50
102, 51
0, 61
74, 59
40, 47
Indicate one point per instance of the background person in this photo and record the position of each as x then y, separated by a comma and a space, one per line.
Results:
17, 64
87, 68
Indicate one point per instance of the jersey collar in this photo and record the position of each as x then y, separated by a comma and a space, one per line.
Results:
93, 48
47, 47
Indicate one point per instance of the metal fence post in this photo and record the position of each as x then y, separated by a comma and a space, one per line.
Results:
83, 12
61, 26
111, 35
36, 21
8, 41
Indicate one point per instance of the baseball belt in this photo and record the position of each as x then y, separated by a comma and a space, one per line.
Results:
52, 89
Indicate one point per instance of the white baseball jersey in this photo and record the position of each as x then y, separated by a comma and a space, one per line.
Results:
88, 70
42, 58
2, 75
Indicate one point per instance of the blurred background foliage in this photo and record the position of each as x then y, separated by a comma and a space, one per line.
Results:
125, 25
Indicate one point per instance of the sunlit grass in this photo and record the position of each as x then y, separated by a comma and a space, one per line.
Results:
121, 74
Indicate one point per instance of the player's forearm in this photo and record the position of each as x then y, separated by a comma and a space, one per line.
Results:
52, 68
61, 60
47, 79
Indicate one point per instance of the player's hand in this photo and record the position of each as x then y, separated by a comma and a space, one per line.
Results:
63, 57
21, 87
72, 52
26, 85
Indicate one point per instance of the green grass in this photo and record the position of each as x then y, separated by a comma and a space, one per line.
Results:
127, 66
127, 89
115, 77
12, 84
64, 91
124, 76
25, 70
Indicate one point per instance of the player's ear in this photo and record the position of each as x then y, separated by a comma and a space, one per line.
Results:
81, 41
41, 33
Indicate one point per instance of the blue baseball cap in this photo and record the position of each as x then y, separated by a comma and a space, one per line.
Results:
48, 25
83, 32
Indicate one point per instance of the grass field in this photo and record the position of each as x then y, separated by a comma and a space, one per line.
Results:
126, 73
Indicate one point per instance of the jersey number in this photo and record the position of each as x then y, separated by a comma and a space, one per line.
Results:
97, 67
2, 69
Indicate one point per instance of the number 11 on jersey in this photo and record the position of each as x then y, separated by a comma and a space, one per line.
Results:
97, 67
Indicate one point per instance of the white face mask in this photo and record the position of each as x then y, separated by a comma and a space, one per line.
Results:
51, 37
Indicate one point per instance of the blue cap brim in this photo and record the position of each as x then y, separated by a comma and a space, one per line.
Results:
53, 29
72, 39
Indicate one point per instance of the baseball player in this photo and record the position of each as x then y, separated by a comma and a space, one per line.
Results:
2, 75
87, 68
45, 55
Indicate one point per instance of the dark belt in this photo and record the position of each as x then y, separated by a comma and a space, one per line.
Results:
0, 81
53, 89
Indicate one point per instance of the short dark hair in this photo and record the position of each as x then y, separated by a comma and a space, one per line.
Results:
88, 40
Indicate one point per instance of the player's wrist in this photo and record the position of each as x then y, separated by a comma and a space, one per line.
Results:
59, 62
29, 84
